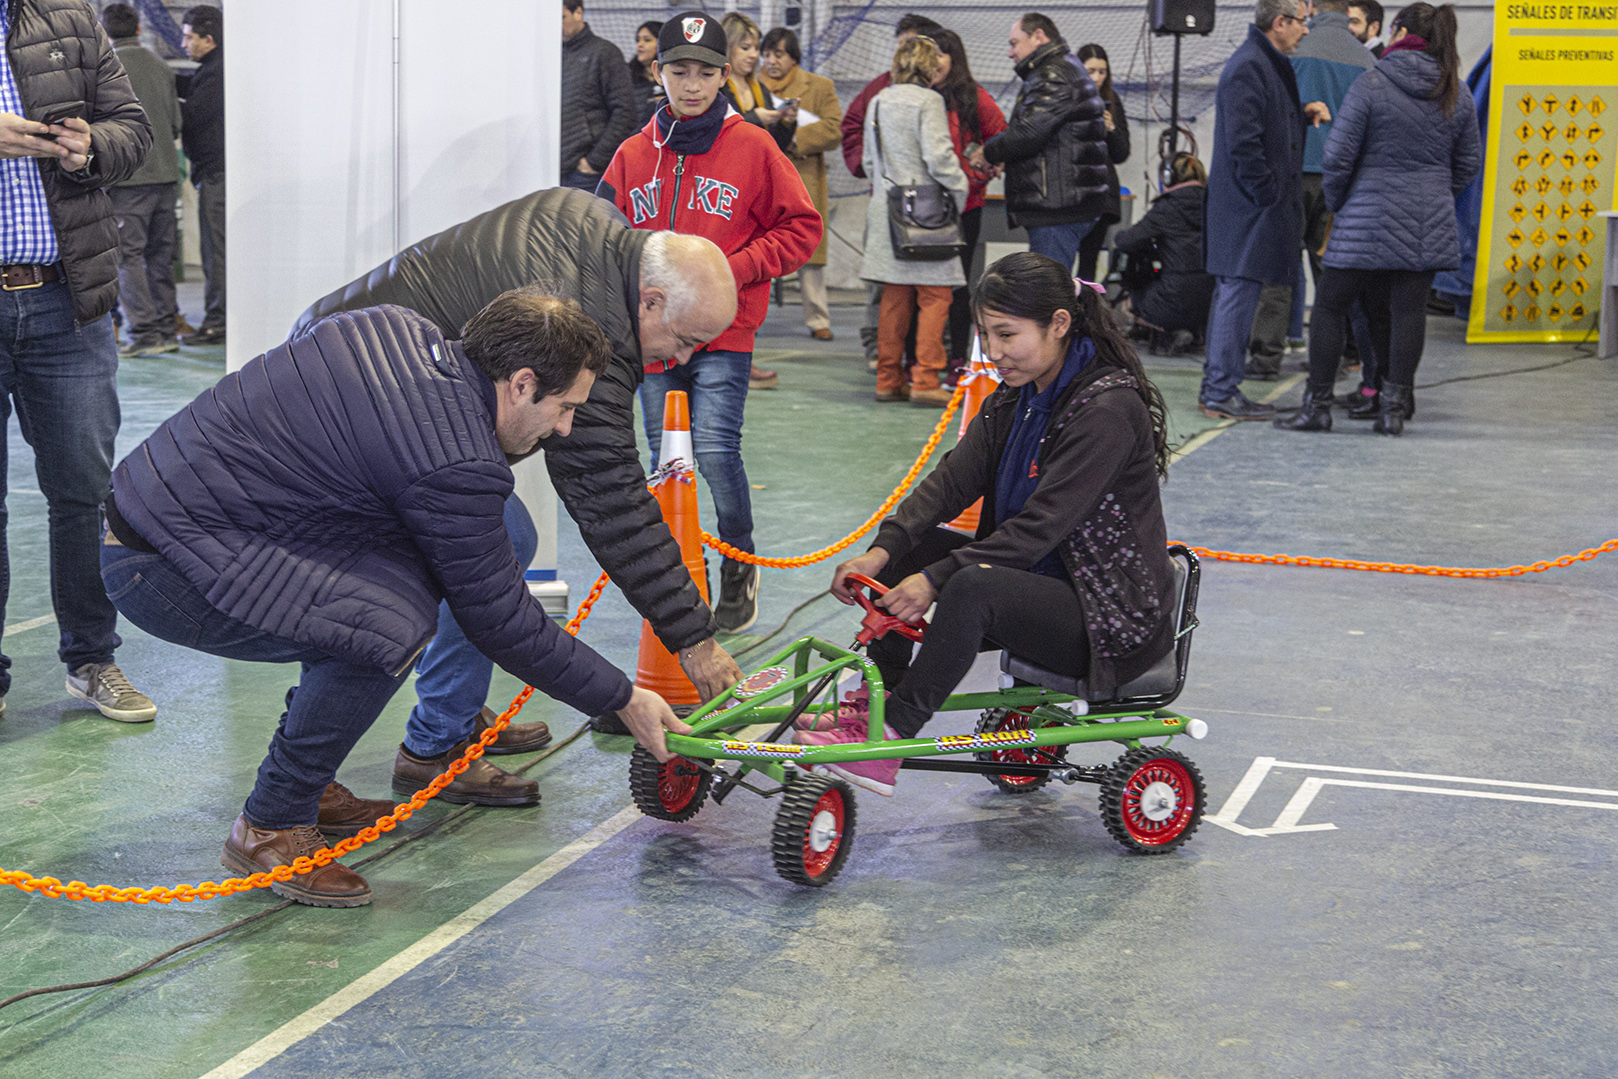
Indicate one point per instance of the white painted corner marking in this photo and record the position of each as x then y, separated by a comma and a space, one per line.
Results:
290, 1033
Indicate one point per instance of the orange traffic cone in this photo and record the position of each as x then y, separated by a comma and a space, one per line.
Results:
675, 485
982, 379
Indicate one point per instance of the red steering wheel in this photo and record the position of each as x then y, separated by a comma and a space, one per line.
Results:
878, 622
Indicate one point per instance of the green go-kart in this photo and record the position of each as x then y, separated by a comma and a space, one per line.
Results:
1152, 797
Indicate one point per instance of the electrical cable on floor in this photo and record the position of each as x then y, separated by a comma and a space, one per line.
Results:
762, 641
284, 904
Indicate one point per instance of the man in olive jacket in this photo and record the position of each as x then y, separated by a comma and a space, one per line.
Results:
1054, 146
144, 203
59, 261
626, 279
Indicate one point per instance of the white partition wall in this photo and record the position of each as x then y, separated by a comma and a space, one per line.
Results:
357, 127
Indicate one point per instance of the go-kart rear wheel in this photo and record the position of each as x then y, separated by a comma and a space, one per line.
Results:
1007, 719
1152, 800
814, 830
673, 790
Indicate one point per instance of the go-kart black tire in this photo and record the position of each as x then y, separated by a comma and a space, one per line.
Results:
808, 846
1130, 822
999, 719
673, 790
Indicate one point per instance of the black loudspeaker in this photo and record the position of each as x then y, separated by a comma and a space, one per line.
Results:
1181, 16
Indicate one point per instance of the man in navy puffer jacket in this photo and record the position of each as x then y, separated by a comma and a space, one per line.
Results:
316, 505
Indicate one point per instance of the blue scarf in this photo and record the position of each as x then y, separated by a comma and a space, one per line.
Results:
695, 134
1018, 473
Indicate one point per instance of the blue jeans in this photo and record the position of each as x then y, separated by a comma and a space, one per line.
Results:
1230, 321
582, 181
452, 679
63, 380
334, 703
717, 385
1060, 242
1295, 319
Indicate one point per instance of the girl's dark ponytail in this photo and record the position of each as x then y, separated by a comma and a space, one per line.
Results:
1436, 26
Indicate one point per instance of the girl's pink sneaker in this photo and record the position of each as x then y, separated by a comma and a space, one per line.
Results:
875, 776
856, 705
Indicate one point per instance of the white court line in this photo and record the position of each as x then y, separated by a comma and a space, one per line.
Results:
1288, 820
289, 1034
1441, 779
32, 623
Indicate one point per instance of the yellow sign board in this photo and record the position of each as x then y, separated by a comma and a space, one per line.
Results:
1550, 168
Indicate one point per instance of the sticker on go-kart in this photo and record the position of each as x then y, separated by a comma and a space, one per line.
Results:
761, 681
985, 741
759, 749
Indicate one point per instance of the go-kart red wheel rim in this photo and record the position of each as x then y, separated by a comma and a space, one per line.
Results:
1017, 721
824, 834
1142, 802
677, 783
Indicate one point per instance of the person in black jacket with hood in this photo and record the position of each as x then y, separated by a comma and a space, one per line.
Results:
1054, 146
203, 136
1070, 566
1178, 296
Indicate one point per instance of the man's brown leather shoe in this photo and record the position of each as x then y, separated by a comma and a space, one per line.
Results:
342, 814
516, 738
259, 850
481, 784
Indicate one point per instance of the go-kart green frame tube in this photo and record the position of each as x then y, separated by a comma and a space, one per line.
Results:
1129, 728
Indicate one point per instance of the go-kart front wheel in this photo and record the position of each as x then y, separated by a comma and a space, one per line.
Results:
673, 790
814, 830
1152, 800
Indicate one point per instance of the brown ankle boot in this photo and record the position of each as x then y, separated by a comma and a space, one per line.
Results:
259, 850
343, 814
481, 784
516, 738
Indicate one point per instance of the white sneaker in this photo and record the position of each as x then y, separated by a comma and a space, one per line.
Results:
104, 685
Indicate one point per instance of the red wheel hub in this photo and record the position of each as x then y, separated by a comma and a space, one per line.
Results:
824, 834
677, 783
1159, 801
1018, 721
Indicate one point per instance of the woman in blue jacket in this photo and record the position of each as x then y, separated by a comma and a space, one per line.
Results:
1405, 142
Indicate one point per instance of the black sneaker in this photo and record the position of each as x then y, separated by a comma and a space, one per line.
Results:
1237, 407
738, 596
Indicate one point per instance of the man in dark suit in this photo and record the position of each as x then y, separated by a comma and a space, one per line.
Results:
1254, 223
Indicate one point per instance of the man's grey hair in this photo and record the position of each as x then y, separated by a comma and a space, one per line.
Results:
1268, 11
660, 269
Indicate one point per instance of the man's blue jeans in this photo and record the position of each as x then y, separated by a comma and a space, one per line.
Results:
1230, 322
1060, 242
64, 382
582, 181
333, 704
717, 385
452, 679
1295, 316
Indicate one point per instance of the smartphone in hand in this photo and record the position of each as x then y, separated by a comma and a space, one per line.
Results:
57, 113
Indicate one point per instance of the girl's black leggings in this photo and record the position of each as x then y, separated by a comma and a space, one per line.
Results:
981, 608
1395, 304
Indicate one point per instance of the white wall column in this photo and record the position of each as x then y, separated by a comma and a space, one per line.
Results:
355, 129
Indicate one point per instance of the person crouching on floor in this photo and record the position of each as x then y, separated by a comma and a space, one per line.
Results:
314, 508
1069, 568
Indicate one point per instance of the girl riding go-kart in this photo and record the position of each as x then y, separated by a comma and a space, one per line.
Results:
1069, 568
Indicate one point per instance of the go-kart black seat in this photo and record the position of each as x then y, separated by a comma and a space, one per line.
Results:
1159, 685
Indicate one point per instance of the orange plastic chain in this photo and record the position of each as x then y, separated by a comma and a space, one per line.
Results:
1405, 567
871, 522
185, 893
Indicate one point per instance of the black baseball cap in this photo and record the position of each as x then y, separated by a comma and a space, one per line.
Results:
693, 35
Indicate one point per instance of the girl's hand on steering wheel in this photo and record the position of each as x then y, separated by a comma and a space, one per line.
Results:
910, 599
870, 564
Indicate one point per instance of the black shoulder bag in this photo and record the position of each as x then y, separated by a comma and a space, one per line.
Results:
924, 223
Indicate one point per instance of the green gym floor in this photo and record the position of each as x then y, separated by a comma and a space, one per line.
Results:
1434, 898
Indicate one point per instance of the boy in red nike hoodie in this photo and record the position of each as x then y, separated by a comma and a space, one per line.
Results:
698, 167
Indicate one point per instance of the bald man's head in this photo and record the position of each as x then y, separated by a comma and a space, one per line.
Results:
687, 296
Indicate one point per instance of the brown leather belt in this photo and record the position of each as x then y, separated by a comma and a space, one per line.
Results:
15, 278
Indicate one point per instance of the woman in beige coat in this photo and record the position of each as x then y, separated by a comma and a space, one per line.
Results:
815, 95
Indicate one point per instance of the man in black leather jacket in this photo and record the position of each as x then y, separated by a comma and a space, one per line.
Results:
1054, 147
581, 247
